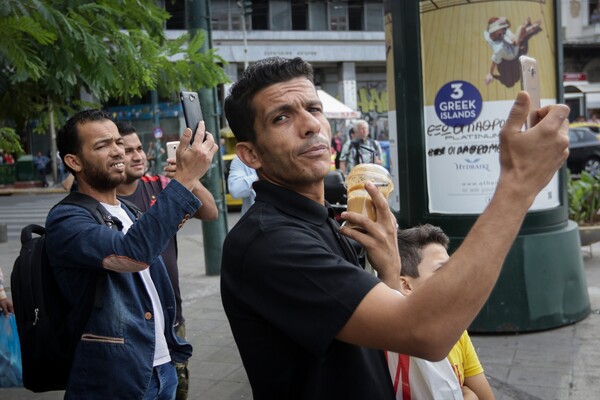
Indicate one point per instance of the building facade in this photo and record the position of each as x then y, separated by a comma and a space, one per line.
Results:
343, 40
581, 49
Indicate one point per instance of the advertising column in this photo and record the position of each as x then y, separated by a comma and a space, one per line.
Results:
456, 73
471, 76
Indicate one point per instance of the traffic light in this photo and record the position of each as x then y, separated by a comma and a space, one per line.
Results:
246, 6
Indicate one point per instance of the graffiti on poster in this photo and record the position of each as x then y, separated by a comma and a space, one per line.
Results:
470, 81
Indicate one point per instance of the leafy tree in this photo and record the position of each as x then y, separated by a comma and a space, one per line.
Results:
9, 141
53, 50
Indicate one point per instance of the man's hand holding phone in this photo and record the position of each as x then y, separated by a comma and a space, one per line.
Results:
530, 82
192, 112
529, 159
189, 159
192, 159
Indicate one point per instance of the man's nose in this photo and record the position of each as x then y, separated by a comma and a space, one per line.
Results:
311, 124
117, 151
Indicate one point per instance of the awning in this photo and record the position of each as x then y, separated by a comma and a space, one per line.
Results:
591, 92
335, 109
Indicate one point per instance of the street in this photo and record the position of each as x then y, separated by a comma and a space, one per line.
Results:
561, 364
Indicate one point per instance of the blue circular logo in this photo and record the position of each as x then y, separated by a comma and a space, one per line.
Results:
458, 103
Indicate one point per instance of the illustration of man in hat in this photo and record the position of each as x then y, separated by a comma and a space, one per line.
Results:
506, 45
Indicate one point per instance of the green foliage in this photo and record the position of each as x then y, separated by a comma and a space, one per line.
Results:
9, 141
584, 199
51, 50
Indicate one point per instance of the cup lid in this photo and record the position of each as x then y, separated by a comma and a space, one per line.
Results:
366, 172
369, 168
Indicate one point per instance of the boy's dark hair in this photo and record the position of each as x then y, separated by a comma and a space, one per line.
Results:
238, 104
68, 140
411, 242
125, 128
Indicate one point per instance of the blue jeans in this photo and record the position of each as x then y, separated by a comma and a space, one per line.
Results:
163, 383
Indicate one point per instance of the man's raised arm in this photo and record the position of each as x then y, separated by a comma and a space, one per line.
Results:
428, 323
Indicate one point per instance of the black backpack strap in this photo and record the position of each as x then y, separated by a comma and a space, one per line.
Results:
100, 213
375, 147
132, 207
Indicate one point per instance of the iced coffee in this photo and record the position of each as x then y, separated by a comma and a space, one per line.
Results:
359, 200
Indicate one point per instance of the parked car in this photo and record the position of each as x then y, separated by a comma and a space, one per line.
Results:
584, 148
594, 127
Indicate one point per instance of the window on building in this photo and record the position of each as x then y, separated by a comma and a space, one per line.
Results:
260, 15
317, 16
338, 16
225, 15
355, 15
299, 15
281, 15
374, 15
594, 12
177, 10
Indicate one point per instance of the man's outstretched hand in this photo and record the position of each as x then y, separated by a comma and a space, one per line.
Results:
529, 159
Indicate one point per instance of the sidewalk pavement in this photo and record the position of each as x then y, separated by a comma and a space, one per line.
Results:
6, 190
560, 364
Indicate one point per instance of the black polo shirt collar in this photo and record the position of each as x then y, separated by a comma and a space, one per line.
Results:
291, 202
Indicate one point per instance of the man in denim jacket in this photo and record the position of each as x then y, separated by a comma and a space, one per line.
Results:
127, 346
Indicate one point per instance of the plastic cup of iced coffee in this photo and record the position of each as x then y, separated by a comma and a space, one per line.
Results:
359, 200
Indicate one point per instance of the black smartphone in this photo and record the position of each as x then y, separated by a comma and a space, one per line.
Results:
191, 111
530, 82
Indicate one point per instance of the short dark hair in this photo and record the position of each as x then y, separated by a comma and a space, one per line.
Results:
238, 104
68, 140
125, 128
411, 242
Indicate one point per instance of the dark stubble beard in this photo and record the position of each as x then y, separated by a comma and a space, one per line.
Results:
100, 179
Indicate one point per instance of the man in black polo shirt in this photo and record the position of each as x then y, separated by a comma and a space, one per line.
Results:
308, 321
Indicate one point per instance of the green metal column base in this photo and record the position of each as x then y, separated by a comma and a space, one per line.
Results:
542, 285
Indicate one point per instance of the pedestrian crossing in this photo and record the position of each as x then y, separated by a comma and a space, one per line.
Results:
19, 211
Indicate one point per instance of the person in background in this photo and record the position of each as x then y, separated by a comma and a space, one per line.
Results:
60, 169
126, 348
40, 162
6, 305
223, 146
361, 149
423, 252
336, 146
151, 157
143, 191
239, 182
308, 320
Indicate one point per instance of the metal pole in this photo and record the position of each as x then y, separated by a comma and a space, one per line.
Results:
245, 35
198, 14
53, 148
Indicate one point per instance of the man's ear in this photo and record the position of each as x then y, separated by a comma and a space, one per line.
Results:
405, 286
246, 151
73, 162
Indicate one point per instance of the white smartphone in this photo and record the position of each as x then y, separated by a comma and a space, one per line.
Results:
172, 149
530, 82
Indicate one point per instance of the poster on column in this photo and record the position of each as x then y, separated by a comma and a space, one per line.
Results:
394, 198
471, 76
